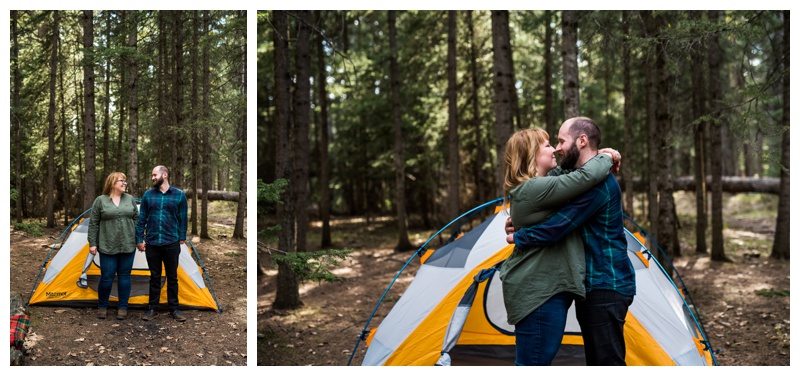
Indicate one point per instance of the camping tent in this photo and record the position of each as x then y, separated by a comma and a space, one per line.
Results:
453, 311
59, 281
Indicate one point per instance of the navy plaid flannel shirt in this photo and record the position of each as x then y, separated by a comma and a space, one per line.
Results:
162, 217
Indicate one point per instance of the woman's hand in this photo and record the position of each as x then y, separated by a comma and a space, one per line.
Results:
509, 231
93, 250
616, 158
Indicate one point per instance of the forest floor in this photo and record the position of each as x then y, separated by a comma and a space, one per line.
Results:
744, 305
61, 336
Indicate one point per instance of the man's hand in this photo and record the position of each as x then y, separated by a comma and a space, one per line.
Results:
140, 246
616, 159
93, 250
509, 231
182, 241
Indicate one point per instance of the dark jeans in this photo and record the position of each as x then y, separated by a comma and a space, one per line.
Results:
602, 317
168, 255
118, 266
539, 334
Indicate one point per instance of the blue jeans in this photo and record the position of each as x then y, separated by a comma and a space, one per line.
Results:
539, 334
168, 255
118, 266
602, 319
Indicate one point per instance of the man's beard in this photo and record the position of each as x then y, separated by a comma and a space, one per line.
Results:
158, 182
570, 159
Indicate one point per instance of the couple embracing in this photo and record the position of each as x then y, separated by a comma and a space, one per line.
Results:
567, 226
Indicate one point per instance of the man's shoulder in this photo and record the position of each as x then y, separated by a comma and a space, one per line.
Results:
176, 190
608, 188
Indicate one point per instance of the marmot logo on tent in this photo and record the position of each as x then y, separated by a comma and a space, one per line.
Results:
60, 294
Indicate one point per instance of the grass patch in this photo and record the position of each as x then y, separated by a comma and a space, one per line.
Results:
750, 206
771, 293
30, 228
233, 254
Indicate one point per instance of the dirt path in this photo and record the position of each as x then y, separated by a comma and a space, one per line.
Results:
744, 305
73, 336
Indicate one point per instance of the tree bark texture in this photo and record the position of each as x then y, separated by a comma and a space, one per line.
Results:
302, 124
178, 129
107, 101
569, 56
89, 111
780, 248
549, 110
503, 110
51, 121
699, 110
15, 115
627, 168
715, 58
241, 209
195, 120
454, 162
325, 165
403, 243
207, 152
652, 151
477, 168
287, 294
133, 108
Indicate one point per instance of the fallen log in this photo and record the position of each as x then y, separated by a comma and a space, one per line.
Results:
730, 184
214, 195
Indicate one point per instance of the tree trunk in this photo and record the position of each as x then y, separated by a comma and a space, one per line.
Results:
715, 58
123, 98
325, 166
666, 202
780, 248
195, 119
178, 130
161, 105
51, 121
241, 208
65, 160
133, 108
207, 158
403, 244
16, 116
287, 294
477, 169
627, 168
302, 107
699, 110
89, 114
652, 151
730, 184
452, 130
549, 110
569, 55
503, 111
79, 119
107, 101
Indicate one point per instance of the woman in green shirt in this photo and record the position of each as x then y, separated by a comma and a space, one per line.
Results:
112, 233
540, 284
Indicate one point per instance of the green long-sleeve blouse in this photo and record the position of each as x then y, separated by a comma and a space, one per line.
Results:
112, 228
532, 276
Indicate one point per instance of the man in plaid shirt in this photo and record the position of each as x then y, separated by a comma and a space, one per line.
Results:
597, 213
162, 227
